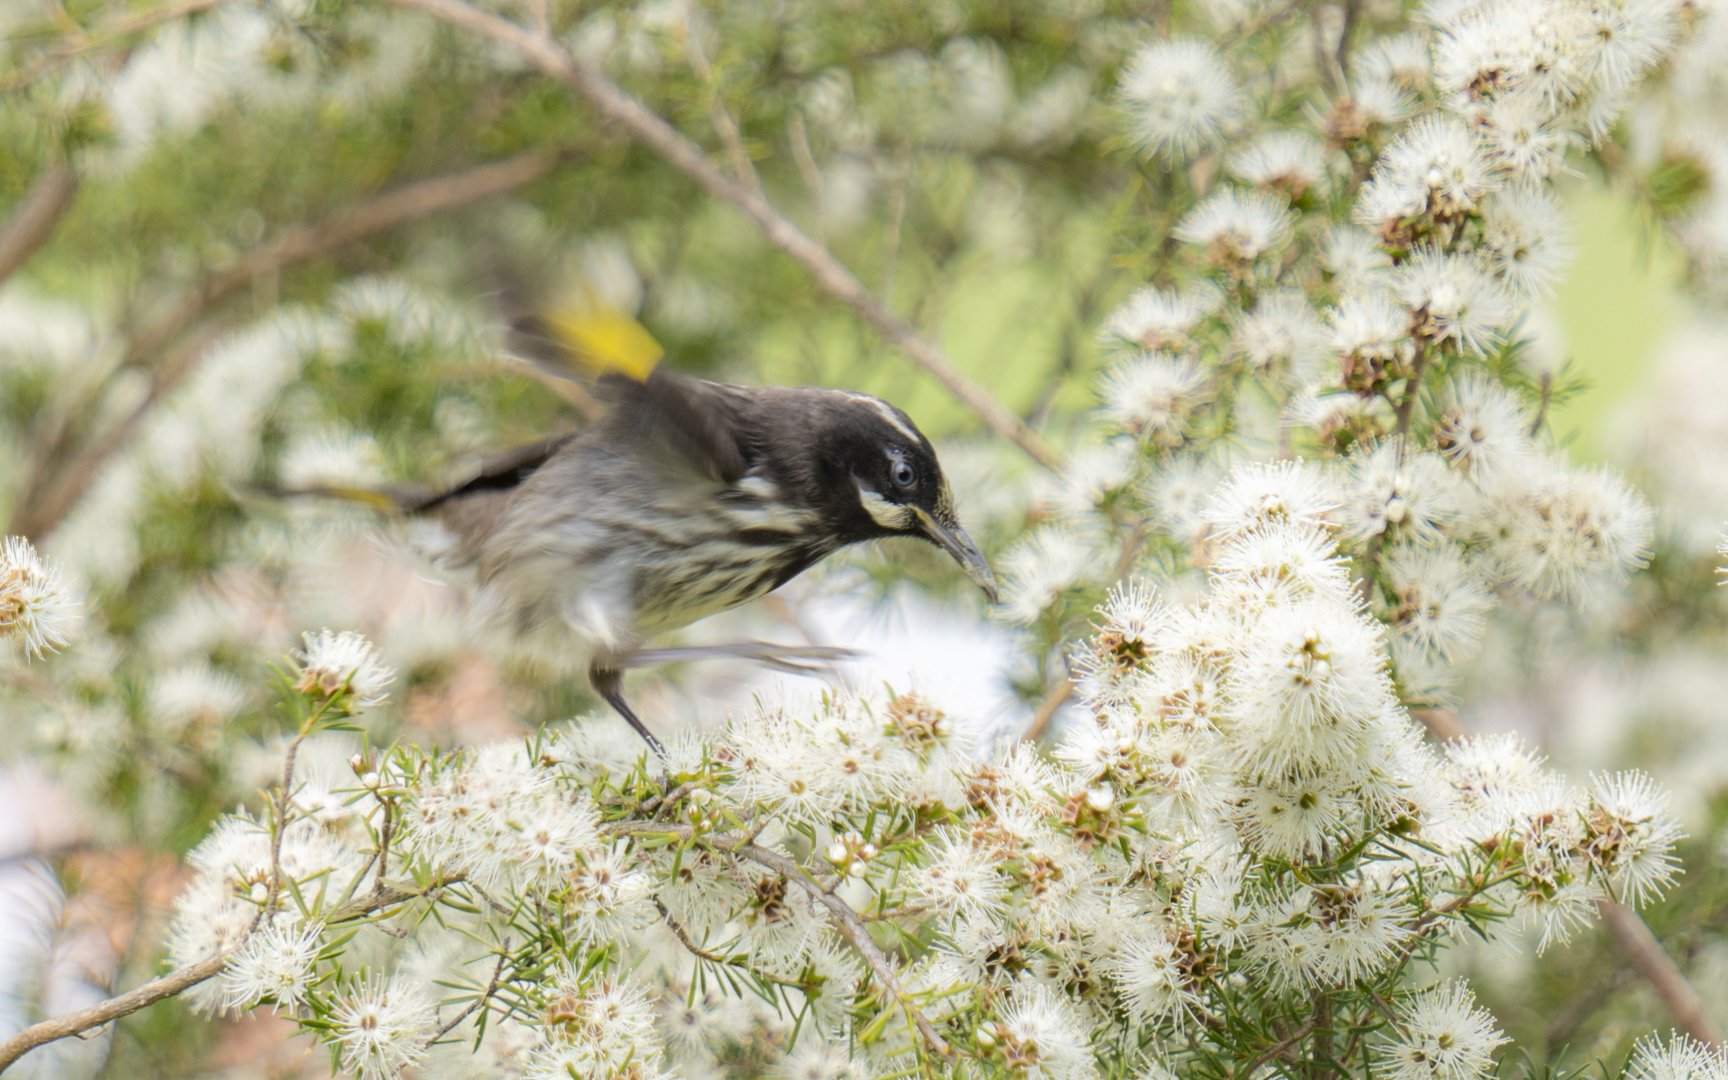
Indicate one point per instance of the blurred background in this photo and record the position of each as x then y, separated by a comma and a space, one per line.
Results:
239, 254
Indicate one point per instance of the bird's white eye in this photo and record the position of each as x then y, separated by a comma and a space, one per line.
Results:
903, 474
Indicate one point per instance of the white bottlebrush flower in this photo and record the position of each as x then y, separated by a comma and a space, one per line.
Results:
332, 460
1157, 319
1632, 837
1177, 493
1277, 564
1282, 337
1440, 604
1180, 97
1369, 331
1435, 166
1294, 820
1365, 925
35, 605
1445, 1036
1526, 240
1680, 1058
1392, 489
1528, 140
1481, 428
275, 963
1560, 530
1046, 1034
1275, 492
961, 880
606, 1023
382, 1026
1237, 227
195, 698
1147, 968
608, 898
1403, 60
1152, 395
816, 1059
1453, 299
1354, 258
1310, 682
343, 668
1291, 162
1039, 569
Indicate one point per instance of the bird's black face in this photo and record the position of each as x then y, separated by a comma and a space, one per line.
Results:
901, 489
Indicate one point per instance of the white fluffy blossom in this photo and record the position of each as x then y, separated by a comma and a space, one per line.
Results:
1445, 1036
382, 1026
1237, 227
36, 607
1180, 97
1153, 395
344, 669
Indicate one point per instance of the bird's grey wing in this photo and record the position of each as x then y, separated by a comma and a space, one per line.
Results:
700, 425
500, 474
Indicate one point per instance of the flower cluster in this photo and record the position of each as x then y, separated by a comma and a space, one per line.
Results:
849, 882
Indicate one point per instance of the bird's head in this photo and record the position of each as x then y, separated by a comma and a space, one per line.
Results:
890, 483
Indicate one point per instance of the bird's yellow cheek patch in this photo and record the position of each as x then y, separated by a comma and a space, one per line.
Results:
884, 513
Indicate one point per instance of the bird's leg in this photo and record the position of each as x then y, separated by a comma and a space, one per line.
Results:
608, 682
795, 659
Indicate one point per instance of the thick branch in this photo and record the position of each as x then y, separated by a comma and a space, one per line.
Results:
56, 488
33, 219
177, 982
643, 124
1652, 961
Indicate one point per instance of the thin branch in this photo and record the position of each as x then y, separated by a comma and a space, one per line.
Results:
840, 914
799, 136
77, 44
1412, 389
32, 221
696, 950
724, 125
1277, 1049
52, 491
643, 124
1651, 960
1442, 723
491, 988
1046, 712
896, 220
178, 982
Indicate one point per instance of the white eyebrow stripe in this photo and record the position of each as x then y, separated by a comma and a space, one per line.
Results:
889, 413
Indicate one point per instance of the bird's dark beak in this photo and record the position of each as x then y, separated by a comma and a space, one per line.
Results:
953, 540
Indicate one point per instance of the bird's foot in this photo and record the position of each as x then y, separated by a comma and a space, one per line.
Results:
793, 659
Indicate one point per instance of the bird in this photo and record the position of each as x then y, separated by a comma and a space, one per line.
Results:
688, 498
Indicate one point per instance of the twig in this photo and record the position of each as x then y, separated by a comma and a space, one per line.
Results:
1275, 1050
485, 996
177, 982
696, 950
807, 167
896, 220
1046, 712
1442, 723
1412, 388
724, 125
54, 489
1647, 956
32, 221
643, 124
840, 914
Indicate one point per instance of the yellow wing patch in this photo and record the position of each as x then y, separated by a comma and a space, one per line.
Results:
603, 339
